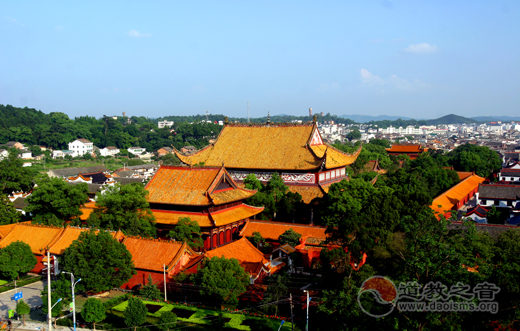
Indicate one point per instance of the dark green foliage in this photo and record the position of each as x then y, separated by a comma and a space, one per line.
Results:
359, 215
276, 291
14, 177
93, 311
188, 231
99, 260
275, 197
57, 310
54, 201
290, 237
15, 259
479, 159
150, 290
167, 321
353, 135
222, 278
264, 324
8, 213
170, 159
22, 309
256, 239
135, 312
124, 208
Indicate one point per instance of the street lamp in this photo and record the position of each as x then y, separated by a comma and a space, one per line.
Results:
73, 285
56, 303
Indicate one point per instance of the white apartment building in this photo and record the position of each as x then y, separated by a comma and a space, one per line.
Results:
109, 151
81, 147
163, 124
136, 150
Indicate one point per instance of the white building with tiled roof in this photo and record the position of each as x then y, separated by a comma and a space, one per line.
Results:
81, 147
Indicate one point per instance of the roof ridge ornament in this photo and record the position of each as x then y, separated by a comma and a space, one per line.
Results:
268, 118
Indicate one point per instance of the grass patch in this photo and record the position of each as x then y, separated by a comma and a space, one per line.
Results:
198, 315
3, 282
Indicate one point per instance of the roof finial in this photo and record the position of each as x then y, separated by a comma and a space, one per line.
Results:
226, 121
315, 118
268, 118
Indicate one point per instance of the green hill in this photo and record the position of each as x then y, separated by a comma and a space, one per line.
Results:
451, 119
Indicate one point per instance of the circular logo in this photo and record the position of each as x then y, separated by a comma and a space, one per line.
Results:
377, 296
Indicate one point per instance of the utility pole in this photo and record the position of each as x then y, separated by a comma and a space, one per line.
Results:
164, 267
49, 291
292, 320
308, 302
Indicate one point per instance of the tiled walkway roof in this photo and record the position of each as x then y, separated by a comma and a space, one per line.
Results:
449, 199
273, 230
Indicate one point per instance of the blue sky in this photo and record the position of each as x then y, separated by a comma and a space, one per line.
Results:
421, 59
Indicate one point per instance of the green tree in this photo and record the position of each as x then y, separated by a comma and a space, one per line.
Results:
54, 201
167, 321
57, 307
256, 238
93, 311
290, 237
150, 290
99, 260
479, 159
135, 313
125, 208
222, 278
15, 259
22, 309
170, 159
14, 177
188, 231
353, 135
276, 290
8, 213
359, 215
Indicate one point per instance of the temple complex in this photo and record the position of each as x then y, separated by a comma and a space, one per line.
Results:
207, 195
411, 150
297, 152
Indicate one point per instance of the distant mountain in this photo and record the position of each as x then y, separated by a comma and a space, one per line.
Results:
496, 118
451, 119
367, 118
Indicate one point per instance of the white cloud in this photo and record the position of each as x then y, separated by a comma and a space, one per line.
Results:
137, 34
12, 21
392, 83
368, 78
421, 48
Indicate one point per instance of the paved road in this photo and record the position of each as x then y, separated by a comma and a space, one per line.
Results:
31, 295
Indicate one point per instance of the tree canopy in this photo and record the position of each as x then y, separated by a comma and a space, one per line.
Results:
290, 237
14, 177
54, 201
223, 279
8, 213
188, 231
135, 313
480, 159
99, 260
125, 208
93, 311
15, 259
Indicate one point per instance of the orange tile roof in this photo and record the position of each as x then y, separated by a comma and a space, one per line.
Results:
308, 193
277, 147
65, 239
192, 186
152, 254
464, 174
37, 236
242, 250
405, 149
273, 230
172, 217
87, 209
5, 229
449, 199
333, 157
234, 214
